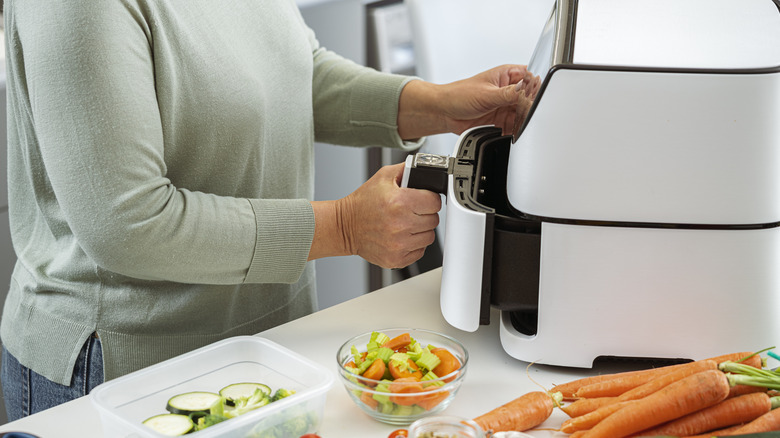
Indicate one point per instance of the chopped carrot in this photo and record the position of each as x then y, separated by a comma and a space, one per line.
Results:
432, 398
665, 379
399, 341
449, 363
399, 370
404, 386
368, 400
695, 392
375, 371
587, 421
585, 405
727, 413
765, 423
522, 413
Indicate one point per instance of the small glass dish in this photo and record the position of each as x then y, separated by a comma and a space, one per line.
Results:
402, 408
445, 426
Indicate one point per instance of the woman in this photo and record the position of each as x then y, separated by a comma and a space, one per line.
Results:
161, 178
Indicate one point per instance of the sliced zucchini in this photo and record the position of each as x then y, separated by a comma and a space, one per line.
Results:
191, 402
242, 390
170, 424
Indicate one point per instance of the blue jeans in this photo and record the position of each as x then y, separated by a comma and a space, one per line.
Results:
27, 392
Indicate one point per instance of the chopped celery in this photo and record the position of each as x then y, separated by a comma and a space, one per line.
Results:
385, 407
403, 410
371, 356
428, 360
364, 365
357, 356
429, 379
384, 353
401, 359
381, 388
414, 350
378, 338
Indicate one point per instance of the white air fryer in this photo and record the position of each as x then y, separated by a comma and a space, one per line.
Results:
637, 214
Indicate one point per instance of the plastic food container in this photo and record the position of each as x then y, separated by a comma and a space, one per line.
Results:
124, 403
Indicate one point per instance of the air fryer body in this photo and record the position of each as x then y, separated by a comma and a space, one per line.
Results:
638, 212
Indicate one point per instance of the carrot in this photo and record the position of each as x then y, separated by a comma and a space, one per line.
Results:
716, 433
727, 413
368, 400
585, 405
569, 389
695, 392
398, 370
665, 379
766, 423
399, 341
449, 363
375, 371
619, 386
587, 421
433, 398
523, 413
738, 390
406, 385
747, 358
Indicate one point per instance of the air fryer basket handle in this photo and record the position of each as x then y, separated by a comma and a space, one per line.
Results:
427, 171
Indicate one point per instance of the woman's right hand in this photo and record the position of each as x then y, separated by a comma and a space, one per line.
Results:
385, 224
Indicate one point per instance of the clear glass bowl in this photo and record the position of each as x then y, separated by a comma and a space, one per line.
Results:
399, 408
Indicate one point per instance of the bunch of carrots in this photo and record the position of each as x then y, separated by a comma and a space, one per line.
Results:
726, 395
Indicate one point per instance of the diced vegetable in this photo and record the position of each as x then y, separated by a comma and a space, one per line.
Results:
404, 361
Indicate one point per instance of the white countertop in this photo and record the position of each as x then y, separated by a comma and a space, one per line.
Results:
493, 377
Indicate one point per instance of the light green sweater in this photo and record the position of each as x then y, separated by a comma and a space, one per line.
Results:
160, 171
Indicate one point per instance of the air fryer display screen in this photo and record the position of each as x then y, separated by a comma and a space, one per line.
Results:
541, 60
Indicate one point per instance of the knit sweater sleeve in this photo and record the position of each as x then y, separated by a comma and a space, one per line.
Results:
355, 105
90, 135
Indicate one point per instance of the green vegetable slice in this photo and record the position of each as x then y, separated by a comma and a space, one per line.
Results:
191, 402
170, 424
238, 391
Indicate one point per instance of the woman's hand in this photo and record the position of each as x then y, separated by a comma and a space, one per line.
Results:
385, 224
489, 98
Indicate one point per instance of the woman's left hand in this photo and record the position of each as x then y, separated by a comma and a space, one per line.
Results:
488, 98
